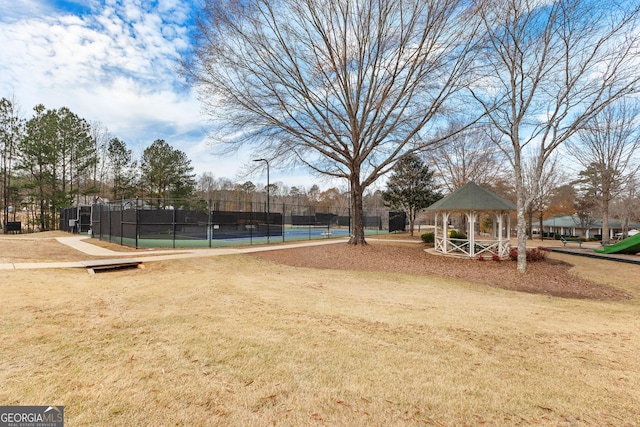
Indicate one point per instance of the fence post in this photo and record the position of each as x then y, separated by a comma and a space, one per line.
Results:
174, 226
209, 223
121, 220
213, 218
100, 220
109, 219
137, 222
252, 221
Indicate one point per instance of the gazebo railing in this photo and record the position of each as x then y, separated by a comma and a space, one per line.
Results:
459, 245
487, 247
481, 247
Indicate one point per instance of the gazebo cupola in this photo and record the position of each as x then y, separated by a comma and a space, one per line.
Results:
473, 202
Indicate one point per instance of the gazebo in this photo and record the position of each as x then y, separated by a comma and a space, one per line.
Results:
473, 201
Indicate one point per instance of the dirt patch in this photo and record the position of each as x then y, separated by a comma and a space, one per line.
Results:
40, 247
549, 277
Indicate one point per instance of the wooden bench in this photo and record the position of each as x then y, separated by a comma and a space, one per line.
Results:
565, 241
111, 264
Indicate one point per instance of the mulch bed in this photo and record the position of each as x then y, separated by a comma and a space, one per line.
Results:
548, 277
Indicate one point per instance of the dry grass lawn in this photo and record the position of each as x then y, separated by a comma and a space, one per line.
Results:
241, 341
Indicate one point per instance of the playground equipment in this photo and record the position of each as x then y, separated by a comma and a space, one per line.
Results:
630, 245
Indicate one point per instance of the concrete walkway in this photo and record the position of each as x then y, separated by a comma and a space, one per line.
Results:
86, 249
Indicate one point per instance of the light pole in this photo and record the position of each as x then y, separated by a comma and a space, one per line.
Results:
267, 162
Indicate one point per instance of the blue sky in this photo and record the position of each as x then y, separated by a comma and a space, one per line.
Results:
115, 62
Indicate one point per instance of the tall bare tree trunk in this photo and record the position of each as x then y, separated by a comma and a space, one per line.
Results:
357, 212
521, 222
605, 221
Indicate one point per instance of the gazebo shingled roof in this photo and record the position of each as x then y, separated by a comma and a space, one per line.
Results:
472, 197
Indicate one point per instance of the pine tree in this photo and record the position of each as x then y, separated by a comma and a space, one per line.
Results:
411, 188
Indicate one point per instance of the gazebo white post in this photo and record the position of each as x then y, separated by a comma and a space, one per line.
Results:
445, 229
494, 235
472, 245
435, 231
500, 225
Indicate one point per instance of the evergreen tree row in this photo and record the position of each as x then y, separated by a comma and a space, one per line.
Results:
57, 159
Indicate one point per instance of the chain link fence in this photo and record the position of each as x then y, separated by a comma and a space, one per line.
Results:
153, 223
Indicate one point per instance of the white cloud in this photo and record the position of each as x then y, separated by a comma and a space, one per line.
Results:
114, 63
16, 9
117, 66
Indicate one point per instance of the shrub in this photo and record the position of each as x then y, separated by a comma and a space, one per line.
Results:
496, 257
457, 234
428, 237
533, 255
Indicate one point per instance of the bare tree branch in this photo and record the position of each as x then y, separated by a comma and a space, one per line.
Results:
606, 148
343, 87
550, 67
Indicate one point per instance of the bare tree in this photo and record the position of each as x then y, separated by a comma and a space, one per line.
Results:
345, 87
627, 206
100, 136
541, 189
549, 68
606, 148
207, 186
467, 156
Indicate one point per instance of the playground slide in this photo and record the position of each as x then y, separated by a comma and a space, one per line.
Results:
630, 245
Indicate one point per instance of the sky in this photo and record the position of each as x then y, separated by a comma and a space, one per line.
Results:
116, 62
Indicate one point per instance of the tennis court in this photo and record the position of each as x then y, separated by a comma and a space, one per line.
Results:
292, 234
141, 225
